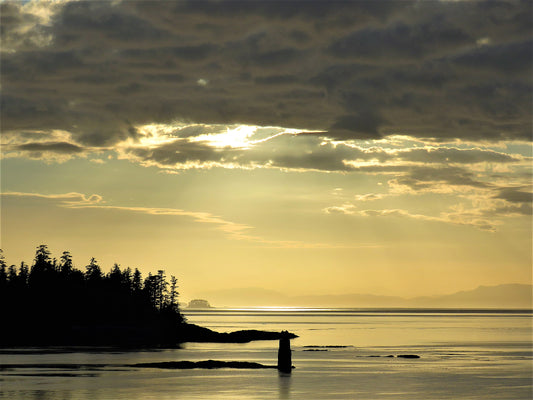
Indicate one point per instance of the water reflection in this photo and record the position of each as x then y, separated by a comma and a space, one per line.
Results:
284, 385
51, 395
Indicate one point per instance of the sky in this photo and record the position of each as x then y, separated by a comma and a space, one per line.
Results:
301, 147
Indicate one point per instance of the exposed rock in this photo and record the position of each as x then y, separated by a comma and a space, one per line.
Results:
195, 333
209, 364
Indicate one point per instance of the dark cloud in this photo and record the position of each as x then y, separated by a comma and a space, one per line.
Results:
505, 58
511, 210
11, 17
453, 155
54, 147
359, 70
515, 195
401, 41
283, 10
94, 18
164, 78
276, 79
191, 54
181, 152
300, 152
364, 124
423, 178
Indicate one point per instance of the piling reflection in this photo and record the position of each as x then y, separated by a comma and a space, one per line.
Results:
284, 385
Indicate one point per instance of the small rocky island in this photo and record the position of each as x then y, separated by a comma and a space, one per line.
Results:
199, 303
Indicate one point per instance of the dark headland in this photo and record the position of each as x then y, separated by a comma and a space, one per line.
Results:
52, 303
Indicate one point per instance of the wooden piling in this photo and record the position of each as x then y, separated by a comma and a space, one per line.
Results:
284, 353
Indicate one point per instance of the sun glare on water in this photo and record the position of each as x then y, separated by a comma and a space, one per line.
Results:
277, 309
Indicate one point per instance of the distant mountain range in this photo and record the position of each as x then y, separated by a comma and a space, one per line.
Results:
500, 296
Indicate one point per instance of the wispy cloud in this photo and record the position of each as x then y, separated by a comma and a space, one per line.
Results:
488, 208
233, 230
473, 218
72, 199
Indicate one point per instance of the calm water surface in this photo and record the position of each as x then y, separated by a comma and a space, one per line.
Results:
466, 355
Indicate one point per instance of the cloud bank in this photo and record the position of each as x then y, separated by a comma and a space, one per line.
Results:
356, 70
426, 95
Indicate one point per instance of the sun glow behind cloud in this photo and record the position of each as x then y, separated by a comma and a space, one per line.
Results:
153, 135
234, 137
218, 136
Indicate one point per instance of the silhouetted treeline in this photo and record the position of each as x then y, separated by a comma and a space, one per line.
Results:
52, 302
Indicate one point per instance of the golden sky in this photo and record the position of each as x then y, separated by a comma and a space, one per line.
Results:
306, 148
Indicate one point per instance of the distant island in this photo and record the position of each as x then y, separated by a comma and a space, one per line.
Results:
199, 303
502, 296
53, 303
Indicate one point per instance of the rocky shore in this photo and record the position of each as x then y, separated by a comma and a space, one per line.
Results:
195, 333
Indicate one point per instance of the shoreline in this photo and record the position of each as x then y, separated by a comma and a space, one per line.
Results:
141, 337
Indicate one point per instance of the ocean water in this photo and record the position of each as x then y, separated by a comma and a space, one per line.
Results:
339, 354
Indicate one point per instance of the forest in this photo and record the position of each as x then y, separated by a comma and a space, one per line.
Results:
52, 302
